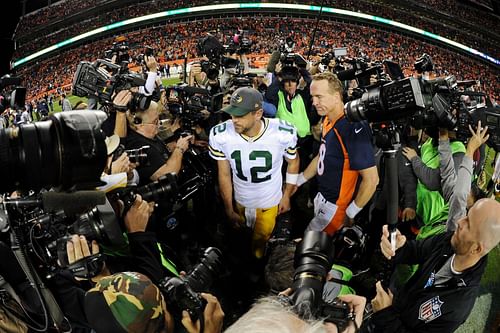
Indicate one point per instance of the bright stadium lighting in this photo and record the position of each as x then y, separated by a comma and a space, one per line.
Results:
257, 6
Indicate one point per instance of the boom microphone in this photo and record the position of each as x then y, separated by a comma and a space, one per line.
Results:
72, 203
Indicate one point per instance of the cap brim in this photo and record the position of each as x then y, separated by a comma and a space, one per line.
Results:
235, 111
112, 143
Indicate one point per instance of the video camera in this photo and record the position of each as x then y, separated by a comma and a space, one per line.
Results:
424, 103
141, 58
15, 98
313, 260
186, 103
182, 293
239, 44
210, 47
120, 50
103, 78
42, 219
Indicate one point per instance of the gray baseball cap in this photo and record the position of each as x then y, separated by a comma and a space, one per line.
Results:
243, 101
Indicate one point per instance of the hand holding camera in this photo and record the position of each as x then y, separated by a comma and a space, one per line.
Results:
121, 100
213, 317
138, 215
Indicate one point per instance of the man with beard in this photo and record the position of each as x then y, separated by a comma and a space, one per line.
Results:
441, 294
251, 148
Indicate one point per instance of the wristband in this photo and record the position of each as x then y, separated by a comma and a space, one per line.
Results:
301, 179
120, 108
291, 178
352, 210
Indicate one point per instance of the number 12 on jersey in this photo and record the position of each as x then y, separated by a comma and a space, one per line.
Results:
254, 171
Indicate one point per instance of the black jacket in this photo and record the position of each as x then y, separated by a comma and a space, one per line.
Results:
441, 309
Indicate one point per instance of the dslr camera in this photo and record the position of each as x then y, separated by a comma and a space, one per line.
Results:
182, 293
139, 155
313, 260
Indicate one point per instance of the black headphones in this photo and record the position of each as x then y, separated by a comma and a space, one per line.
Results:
136, 120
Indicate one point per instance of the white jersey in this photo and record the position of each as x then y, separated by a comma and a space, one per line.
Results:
255, 162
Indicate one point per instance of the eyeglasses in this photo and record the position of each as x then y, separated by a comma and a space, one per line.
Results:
156, 122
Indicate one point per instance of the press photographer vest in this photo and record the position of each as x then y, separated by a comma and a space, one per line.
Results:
298, 116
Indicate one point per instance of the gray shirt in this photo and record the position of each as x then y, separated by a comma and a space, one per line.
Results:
455, 185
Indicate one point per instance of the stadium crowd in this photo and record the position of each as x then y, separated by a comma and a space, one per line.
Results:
172, 42
419, 20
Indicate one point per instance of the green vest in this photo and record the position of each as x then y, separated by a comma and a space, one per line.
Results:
431, 206
298, 116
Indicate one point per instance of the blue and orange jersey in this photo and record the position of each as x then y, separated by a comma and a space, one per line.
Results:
345, 149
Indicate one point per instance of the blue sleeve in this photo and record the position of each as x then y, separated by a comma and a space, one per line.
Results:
358, 143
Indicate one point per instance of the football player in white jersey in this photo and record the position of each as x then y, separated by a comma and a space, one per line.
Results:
251, 149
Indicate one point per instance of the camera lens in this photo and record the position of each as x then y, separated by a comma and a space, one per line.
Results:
313, 260
67, 151
209, 267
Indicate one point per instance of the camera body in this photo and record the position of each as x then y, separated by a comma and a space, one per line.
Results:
148, 52
103, 78
182, 293
139, 155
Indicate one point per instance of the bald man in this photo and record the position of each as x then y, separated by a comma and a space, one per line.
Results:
441, 294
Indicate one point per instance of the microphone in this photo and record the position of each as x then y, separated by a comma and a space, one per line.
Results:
72, 203
195, 90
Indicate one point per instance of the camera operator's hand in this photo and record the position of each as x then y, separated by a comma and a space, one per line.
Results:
213, 317
78, 248
478, 138
408, 214
385, 244
409, 153
138, 215
122, 164
357, 305
121, 100
383, 299
151, 64
195, 69
183, 143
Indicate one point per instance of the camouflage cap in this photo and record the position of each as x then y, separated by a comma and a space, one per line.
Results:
125, 302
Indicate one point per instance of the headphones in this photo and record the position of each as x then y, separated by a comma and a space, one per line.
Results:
136, 120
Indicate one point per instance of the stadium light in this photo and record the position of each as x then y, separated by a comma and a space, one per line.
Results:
257, 6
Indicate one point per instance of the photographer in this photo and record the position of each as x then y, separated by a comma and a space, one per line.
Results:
119, 55
292, 104
441, 294
143, 127
144, 257
272, 314
130, 302
431, 207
